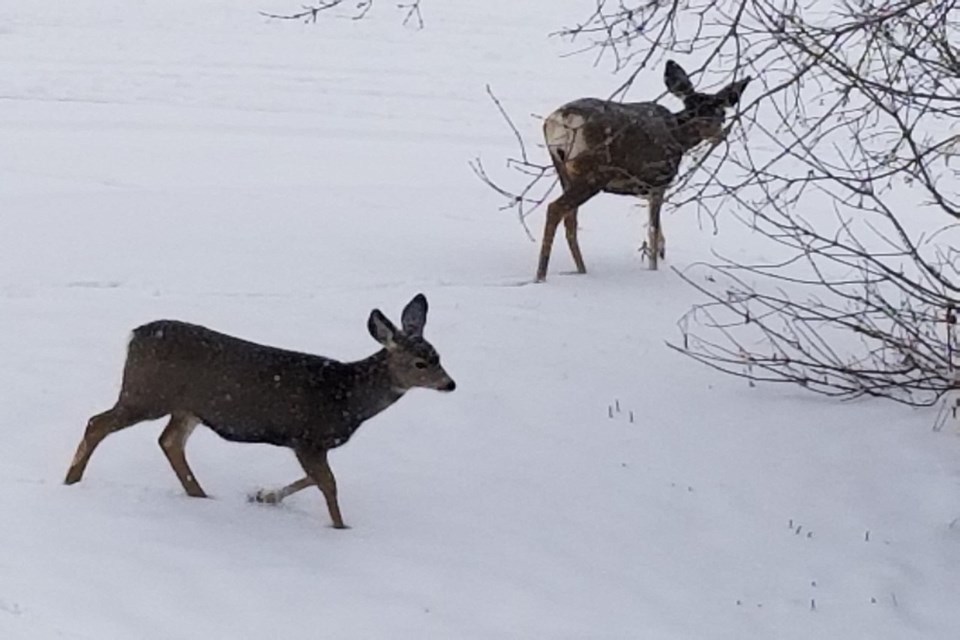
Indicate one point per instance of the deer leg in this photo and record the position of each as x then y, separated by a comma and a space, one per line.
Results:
318, 469
277, 496
655, 240
560, 209
570, 226
98, 428
556, 156
173, 439
555, 212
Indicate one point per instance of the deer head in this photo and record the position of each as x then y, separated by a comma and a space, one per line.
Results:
411, 360
704, 113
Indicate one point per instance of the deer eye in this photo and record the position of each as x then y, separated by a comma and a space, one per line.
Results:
420, 364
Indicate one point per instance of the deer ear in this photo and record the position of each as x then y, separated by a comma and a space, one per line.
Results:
381, 329
730, 94
415, 316
677, 80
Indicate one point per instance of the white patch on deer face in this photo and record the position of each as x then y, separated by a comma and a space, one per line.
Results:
563, 132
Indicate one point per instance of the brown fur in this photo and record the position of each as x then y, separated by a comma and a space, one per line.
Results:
247, 392
628, 149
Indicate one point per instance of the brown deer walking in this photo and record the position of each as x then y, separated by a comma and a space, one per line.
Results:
247, 392
628, 149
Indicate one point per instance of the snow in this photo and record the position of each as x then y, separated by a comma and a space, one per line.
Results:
277, 181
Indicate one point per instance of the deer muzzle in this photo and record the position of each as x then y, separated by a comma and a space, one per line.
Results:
446, 384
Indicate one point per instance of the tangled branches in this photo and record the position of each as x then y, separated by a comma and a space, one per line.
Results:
791, 321
846, 159
865, 128
411, 9
540, 178
849, 162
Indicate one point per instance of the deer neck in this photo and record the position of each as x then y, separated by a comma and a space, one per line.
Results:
687, 133
371, 387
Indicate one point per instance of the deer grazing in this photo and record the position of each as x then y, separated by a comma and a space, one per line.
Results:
248, 392
628, 149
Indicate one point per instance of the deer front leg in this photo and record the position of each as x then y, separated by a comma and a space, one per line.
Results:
276, 496
315, 463
655, 246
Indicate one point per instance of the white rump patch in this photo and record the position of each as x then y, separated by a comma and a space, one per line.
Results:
562, 132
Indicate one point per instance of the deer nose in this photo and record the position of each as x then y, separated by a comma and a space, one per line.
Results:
449, 386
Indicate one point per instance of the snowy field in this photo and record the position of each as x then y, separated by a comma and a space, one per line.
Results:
190, 159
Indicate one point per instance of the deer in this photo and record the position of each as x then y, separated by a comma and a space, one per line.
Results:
248, 392
627, 149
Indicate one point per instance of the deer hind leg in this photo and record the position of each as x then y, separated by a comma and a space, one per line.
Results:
173, 439
555, 213
570, 220
318, 469
560, 209
570, 226
277, 496
98, 428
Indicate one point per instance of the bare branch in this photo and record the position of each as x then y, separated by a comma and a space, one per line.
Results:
845, 158
531, 195
309, 13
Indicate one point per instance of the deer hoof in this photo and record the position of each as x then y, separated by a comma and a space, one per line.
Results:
265, 497
646, 253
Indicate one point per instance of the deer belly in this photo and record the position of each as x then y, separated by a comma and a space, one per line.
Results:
627, 187
240, 416
639, 179
263, 431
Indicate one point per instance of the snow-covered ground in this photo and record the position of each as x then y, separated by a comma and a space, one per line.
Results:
189, 159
